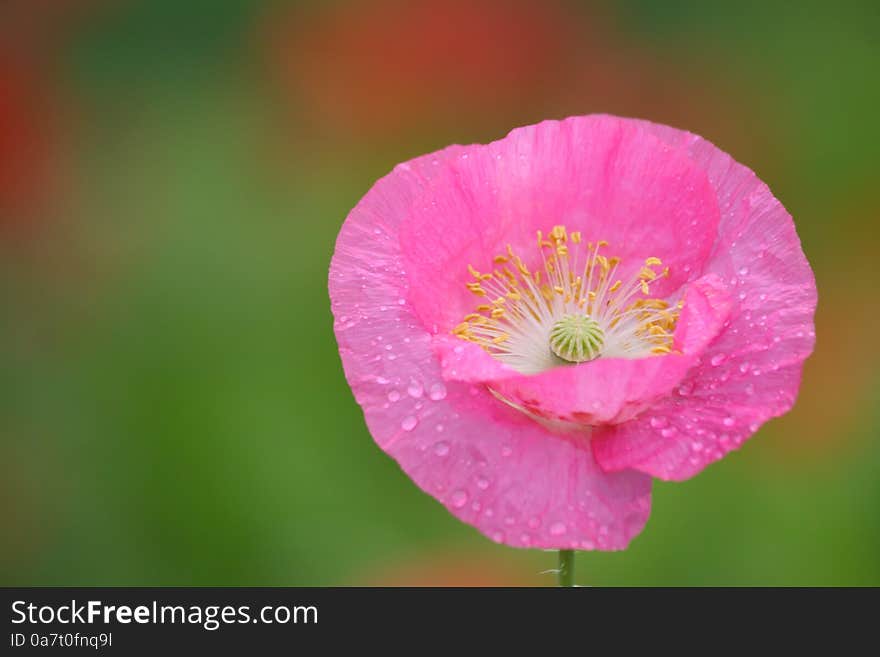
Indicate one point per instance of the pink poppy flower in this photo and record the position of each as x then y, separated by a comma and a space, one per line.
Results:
536, 327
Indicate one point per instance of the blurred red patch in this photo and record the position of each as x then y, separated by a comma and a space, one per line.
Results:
840, 377
371, 67
27, 142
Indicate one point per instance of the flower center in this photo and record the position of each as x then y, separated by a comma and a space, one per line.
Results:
576, 338
580, 302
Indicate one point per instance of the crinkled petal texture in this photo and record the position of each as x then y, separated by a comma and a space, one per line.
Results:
463, 425
751, 372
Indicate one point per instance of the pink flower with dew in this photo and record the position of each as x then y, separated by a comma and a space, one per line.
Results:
538, 326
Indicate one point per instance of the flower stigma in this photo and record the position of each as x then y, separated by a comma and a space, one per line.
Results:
576, 338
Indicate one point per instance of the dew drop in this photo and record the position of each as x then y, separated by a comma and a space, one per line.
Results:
506, 450
498, 537
437, 392
728, 422
558, 529
744, 367
415, 390
658, 422
441, 448
668, 432
717, 359
440, 428
534, 522
393, 396
744, 271
458, 499
482, 483
409, 423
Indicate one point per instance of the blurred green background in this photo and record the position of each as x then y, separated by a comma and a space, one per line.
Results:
172, 178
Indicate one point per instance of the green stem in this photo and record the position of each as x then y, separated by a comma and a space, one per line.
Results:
566, 568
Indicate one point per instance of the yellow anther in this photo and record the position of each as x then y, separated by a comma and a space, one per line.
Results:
522, 299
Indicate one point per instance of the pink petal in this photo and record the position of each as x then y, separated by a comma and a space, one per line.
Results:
602, 175
489, 465
752, 371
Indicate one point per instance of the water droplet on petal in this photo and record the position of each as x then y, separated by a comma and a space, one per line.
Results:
482, 483
506, 450
658, 422
437, 392
393, 396
441, 449
558, 529
744, 271
728, 422
409, 423
458, 499
717, 359
415, 390
534, 522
